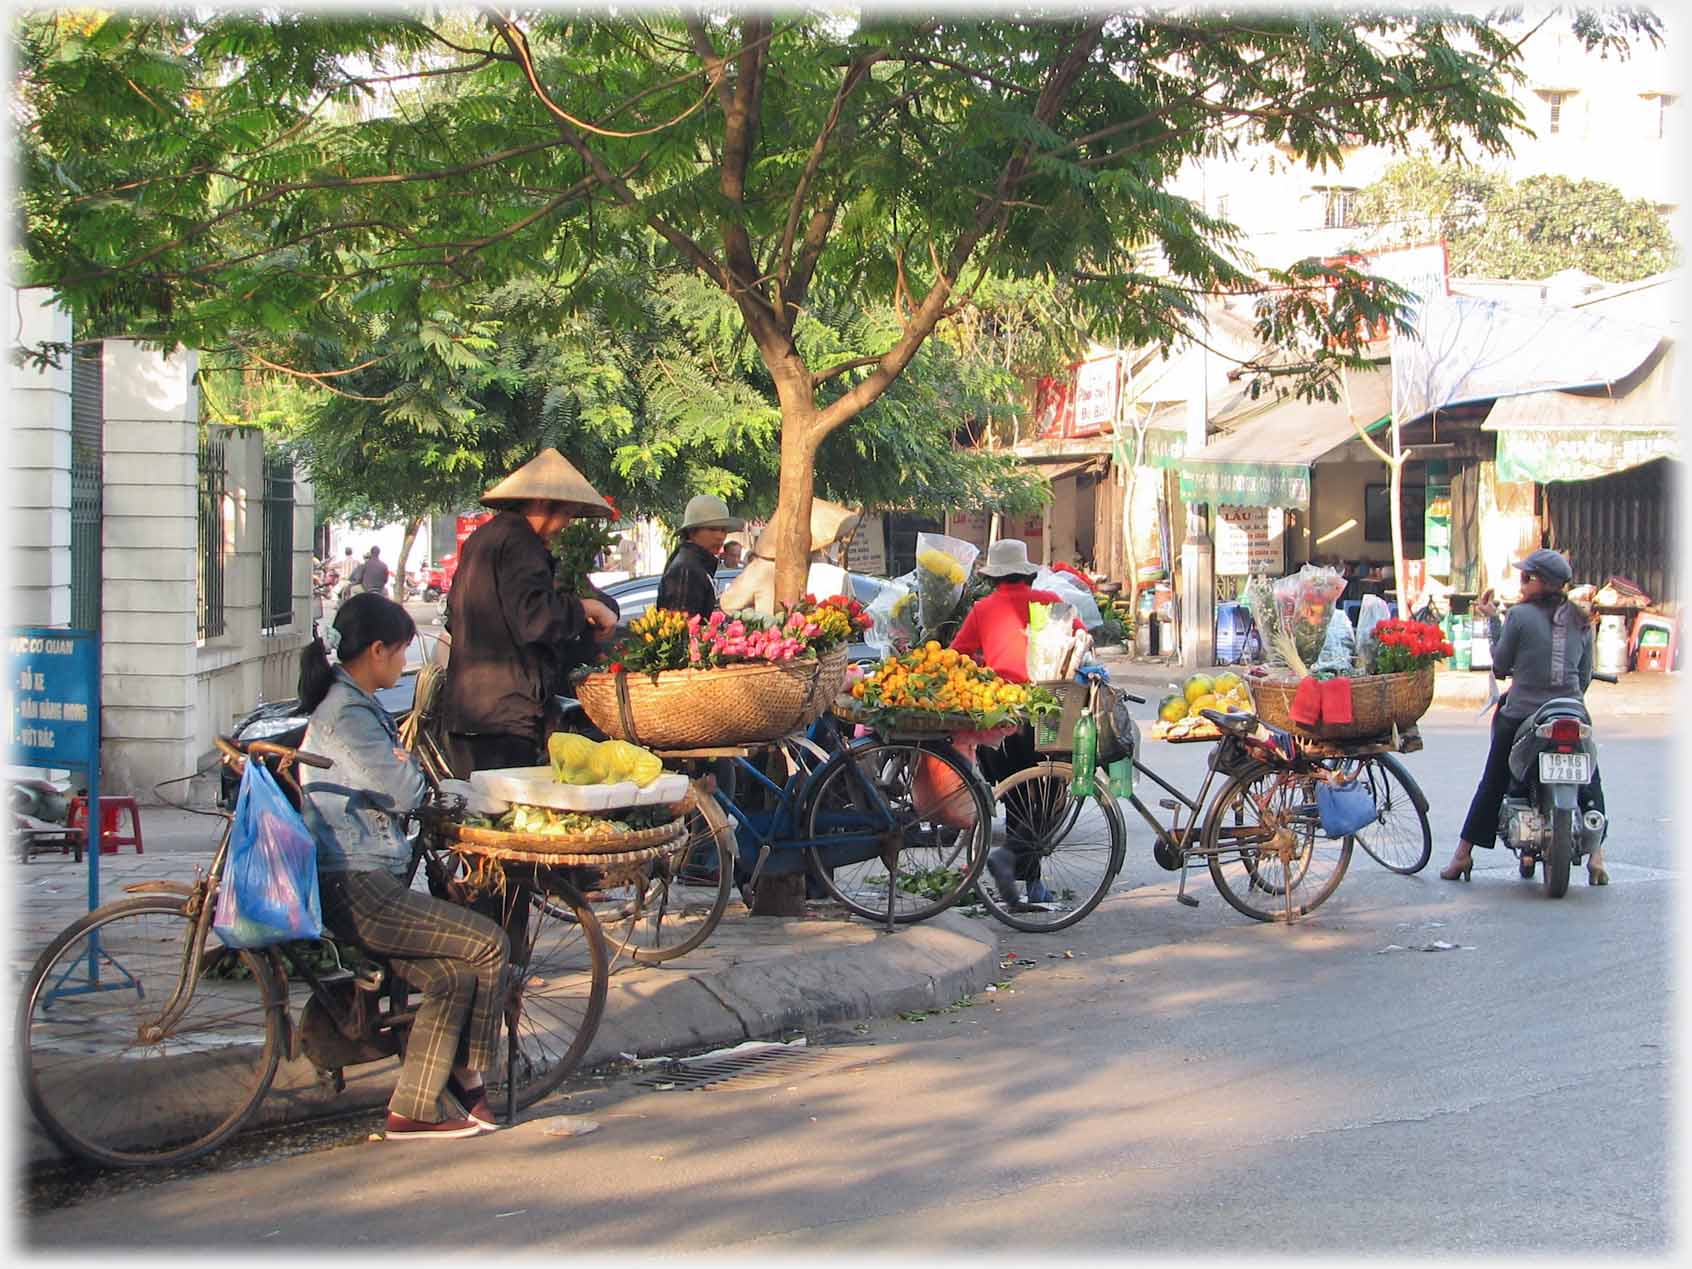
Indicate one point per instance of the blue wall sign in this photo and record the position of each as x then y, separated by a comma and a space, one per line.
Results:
53, 698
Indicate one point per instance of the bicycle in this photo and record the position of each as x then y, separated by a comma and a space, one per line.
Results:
1261, 834
143, 1040
894, 828
1401, 840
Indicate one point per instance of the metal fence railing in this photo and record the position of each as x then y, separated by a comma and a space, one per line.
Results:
277, 567
208, 572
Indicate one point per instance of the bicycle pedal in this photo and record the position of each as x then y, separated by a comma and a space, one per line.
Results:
369, 977
1169, 804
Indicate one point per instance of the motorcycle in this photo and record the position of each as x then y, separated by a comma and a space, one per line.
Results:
1548, 817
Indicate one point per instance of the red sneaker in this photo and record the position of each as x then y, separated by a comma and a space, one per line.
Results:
475, 1103
399, 1128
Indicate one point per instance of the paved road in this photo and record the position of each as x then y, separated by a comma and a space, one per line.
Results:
1187, 1082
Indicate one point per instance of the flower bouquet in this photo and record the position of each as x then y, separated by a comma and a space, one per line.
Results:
950, 688
942, 568
723, 679
578, 549
1403, 647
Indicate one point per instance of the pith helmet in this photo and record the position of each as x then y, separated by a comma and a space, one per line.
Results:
551, 476
707, 511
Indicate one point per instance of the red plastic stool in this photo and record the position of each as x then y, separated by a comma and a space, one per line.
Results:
110, 807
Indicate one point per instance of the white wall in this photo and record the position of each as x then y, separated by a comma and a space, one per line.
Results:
39, 452
148, 563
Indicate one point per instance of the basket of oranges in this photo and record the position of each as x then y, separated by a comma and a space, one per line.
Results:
933, 689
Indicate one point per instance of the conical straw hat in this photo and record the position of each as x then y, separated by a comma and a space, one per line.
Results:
549, 475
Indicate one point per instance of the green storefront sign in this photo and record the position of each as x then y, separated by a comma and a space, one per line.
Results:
1543, 455
1246, 484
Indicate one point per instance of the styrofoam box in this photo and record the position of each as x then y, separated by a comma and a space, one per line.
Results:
534, 786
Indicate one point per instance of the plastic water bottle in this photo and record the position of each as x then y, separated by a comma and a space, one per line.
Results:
1086, 755
1121, 778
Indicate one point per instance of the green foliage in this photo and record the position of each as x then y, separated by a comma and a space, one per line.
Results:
1528, 229
390, 194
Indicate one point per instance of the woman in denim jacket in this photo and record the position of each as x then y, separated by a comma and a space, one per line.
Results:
454, 956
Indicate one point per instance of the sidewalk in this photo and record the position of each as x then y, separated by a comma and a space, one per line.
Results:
755, 978
1636, 694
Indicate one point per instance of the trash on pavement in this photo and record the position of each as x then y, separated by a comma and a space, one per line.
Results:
571, 1126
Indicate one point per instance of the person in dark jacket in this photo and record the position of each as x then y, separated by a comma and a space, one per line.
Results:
1545, 649
510, 624
375, 574
689, 582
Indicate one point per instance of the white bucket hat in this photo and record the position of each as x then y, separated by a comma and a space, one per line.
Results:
1008, 557
707, 511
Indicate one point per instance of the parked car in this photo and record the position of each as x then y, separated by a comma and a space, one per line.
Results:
638, 594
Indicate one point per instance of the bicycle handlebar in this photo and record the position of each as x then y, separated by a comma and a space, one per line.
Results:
262, 747
1606, 678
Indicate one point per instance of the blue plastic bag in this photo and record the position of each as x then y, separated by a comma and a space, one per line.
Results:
1345, 808
269, 889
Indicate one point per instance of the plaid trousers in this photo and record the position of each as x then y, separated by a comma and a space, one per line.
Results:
454, 956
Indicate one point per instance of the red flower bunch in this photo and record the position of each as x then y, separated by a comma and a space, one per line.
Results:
855, 612
1401, 646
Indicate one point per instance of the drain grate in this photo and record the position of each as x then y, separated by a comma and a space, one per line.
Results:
744, 1070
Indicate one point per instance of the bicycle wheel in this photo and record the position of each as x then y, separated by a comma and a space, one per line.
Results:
681, 896
942, 821
1264, 844
1077, 845
1400, 839
103, 1093
559, 969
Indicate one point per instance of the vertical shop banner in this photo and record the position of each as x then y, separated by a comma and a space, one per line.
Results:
1436, 523
1098, 386
1054, 407
1248, 541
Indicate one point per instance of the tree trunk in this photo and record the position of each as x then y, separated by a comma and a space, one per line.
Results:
790, 530
397, 582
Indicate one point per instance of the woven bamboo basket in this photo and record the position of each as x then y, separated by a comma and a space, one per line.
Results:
905, 722
539, 848
1378, 703
732, 705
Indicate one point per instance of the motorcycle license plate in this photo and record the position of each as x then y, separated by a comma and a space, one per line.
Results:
1564, 768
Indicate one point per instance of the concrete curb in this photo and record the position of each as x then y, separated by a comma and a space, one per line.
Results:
755, 979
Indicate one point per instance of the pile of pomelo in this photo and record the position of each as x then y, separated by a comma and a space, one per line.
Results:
1226, 692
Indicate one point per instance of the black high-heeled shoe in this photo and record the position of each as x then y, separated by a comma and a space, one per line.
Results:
1455, 871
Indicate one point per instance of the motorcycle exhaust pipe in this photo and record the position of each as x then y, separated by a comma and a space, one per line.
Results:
1592, 826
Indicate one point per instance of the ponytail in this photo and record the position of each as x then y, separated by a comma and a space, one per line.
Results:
316, 674
366, 618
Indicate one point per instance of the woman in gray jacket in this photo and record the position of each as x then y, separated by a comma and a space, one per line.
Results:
1545, 649
454, 956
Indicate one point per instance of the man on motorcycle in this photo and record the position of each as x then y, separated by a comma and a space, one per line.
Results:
1545, 649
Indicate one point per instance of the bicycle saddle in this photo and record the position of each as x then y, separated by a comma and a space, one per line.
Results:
1234, 724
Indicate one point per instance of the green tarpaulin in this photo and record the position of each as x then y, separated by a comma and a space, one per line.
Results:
1543, 455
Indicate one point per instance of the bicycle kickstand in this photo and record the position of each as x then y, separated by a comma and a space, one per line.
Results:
1181, 895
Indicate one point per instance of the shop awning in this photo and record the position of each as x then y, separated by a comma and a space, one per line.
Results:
1056, 469
1551, 436
1265, 460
